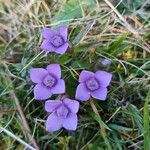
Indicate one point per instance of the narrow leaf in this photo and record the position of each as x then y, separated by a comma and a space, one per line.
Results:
146, 124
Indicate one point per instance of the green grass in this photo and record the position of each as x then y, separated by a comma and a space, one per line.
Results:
97, 30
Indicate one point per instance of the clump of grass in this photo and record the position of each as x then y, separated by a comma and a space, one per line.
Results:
97, 30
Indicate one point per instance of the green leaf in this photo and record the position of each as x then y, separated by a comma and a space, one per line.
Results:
64, 59
136, 117
70, 10
117, 141
146, 124
119, 127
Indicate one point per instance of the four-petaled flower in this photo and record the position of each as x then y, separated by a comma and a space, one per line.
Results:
93, 84
63, 114
48, 81
55, 40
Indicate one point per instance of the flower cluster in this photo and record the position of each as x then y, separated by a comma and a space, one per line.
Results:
63, 112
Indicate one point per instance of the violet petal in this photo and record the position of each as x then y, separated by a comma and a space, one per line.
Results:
51, 105
82, 93
70, 123
37, 74
59, 88
103, 77
100, 94
84, 75
53, 123
73, 105
63, 30
47, 46
62, 49
47, 33
106, 62
55, 70
41, 92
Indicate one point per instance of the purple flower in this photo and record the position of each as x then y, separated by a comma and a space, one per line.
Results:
47, 81
63, 114
106, 62
55, 40
93, 84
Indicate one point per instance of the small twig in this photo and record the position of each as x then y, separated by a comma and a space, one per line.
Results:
24, 121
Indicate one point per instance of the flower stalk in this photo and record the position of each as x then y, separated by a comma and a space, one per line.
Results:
102, 129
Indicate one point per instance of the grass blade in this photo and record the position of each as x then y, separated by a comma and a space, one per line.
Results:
146, 124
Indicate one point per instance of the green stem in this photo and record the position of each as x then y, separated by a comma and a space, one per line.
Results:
102, 129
